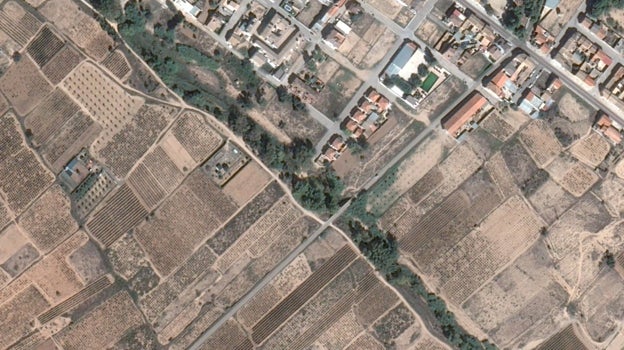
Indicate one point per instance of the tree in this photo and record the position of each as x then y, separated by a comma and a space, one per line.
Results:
597, 8
297, 104
110, 9
608, 259
414, 81
320, 192
402, 84
423, 70
282, 93
429, 56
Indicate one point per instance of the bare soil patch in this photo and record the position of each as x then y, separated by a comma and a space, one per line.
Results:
246, 183
341, 84
430, 32
475, 65
551, 201
390, 8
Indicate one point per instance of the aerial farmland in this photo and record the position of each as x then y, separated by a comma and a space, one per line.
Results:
311, 174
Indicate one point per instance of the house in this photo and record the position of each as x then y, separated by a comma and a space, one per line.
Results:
359, 116
497, 84
337, 143
461, 119
383, 104
531, 104
373, 96
369, 115
456, 18
608, 128
186, 7
333, 38
603, 58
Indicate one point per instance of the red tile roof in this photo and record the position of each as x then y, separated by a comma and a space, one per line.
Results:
374, 96
604, 57
589, 81
500, 79
351, 125
613, 134
359, 116
366, 107
556, 84
464, 114
383, 104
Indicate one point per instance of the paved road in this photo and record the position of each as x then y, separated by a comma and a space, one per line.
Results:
268, 278
472, 84
570, 81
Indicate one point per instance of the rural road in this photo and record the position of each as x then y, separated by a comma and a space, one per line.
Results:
407, 32
268, 278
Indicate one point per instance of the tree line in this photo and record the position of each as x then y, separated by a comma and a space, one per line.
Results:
316, 190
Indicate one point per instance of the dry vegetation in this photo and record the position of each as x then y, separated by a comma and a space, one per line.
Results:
121, 212
333, 304
368, 42
24, 86
44, 46
22, 177
48, 221
18, 23
117, 64
541, 142
62, 64
102, 326
49, 117
340, 85
81, 28
591, 150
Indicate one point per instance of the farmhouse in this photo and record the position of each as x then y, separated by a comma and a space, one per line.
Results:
466, 117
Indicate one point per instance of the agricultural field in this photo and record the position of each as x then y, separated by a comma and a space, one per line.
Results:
117, 64
327, 297
49, 221
512, 226
22, 176
149, 249
80, 27
18, 23
24, 86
